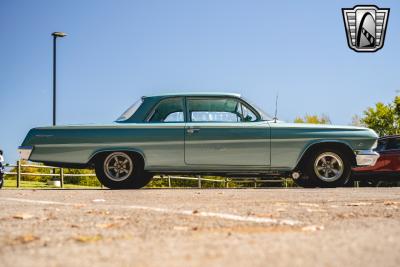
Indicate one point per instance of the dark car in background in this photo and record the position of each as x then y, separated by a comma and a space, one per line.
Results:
387, 168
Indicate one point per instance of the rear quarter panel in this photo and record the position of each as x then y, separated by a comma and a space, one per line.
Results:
160, 144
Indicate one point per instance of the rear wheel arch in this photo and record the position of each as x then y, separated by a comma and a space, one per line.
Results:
345, 148
101, 153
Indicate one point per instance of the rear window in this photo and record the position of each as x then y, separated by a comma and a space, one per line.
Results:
130, 111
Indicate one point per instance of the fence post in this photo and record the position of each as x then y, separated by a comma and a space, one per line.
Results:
18, 173
61, 177
226, 182
169, 181
199, 181
255, 183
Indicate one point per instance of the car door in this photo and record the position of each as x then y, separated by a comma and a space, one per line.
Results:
225, 132
164, 134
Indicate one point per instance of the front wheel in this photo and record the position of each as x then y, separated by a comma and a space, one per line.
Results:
329, 167
121, 170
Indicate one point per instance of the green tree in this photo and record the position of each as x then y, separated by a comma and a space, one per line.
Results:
383, 118
323, 119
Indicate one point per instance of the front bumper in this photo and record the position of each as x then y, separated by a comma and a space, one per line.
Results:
25, 152
366, 157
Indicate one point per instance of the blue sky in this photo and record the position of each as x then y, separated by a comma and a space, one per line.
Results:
117, 51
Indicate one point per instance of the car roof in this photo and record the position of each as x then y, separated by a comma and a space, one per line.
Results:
389, 137
197, 94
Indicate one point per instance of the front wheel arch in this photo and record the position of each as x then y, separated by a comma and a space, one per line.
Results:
315, 147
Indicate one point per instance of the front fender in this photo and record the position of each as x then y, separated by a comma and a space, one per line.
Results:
315, 144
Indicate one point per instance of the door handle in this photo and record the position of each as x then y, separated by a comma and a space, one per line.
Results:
192, 130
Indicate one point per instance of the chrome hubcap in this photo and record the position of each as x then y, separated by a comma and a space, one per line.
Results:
118, 166
328, 167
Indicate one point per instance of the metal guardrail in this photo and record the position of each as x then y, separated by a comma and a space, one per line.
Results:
62, 175
225, 181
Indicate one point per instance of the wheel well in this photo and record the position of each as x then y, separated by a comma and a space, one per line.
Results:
134, 154
341, 146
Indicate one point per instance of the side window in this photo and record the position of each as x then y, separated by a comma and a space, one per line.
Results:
174, 117
213, 109
214, 116
248, 115
218, 110
168, 110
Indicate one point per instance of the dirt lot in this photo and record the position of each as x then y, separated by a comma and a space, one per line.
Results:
186, 227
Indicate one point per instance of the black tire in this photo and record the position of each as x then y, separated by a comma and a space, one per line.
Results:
1, 181
108, 166
335, 173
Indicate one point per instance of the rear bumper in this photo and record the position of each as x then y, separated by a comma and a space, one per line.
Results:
366, 157
25, 152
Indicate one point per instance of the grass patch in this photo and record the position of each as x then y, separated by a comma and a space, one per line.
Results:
37, 184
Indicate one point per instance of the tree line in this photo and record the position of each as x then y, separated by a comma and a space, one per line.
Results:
384, 119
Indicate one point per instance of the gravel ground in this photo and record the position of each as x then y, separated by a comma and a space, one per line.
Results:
191, 227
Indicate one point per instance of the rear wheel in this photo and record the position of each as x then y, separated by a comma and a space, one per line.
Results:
328, 167
121, 170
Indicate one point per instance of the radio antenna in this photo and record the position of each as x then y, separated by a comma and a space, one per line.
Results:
276, 107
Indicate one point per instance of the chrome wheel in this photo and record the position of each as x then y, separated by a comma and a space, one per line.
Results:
328, 167
118, 166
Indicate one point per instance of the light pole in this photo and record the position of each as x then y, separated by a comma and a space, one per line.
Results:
55, 36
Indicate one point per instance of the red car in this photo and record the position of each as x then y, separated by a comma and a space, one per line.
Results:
387, 168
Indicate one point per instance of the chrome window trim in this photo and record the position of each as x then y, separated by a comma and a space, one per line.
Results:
240, 100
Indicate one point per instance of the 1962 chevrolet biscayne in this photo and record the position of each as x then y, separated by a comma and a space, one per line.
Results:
203, 133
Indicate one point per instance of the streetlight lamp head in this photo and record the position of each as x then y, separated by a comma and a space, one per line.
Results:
59, 34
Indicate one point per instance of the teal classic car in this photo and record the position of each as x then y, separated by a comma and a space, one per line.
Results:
203, 133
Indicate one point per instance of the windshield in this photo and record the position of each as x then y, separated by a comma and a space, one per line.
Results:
264, 116
130, 111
